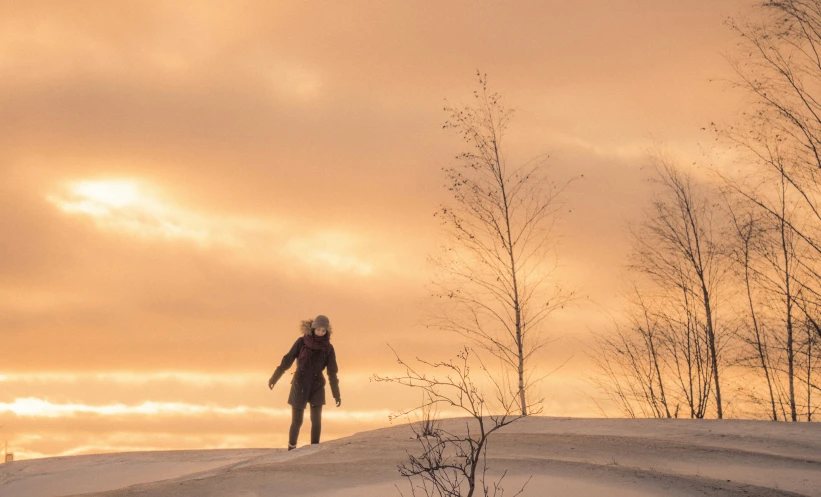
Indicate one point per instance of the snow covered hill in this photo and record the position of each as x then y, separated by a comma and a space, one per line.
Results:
564, 456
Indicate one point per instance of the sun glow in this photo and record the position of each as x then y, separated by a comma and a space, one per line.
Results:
114, 193
135, 208
103, 198
129, 206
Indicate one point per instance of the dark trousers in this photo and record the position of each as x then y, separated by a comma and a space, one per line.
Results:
296, 423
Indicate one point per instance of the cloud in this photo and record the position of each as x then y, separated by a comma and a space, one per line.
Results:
127, 206
133, 208
34, 407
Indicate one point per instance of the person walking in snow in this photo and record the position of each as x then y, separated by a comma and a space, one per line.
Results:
313, 353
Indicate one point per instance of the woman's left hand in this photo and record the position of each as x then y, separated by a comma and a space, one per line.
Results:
338, 402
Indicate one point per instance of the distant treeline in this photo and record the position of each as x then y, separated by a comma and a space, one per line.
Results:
723, 312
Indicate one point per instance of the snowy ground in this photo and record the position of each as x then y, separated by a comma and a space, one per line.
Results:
565, 457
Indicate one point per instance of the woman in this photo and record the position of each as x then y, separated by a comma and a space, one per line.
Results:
313, 352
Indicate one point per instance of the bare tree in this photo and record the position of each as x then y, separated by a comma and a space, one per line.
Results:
629, 363
666, 349
428, 421
779, 66
454, 464
685, 349
746, 233
779, 252
812, 361
678, 250
493, 278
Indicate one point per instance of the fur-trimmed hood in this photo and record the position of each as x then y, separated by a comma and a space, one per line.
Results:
306, 325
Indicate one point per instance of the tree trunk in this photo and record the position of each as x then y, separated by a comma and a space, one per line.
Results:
791, 360
517, 306
789, 303
758, 339
809, 373
521, 368
712, 343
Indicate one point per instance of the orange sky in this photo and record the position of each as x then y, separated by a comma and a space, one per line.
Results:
181, 184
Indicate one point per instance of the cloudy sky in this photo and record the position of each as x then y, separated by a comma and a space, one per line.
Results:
181, 183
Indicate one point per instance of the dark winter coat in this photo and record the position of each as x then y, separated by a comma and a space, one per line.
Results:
308, 384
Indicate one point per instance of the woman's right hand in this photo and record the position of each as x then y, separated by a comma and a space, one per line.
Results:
271, 383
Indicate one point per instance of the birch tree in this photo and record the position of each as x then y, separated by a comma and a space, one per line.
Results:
495, 279
779, 139
678, 245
